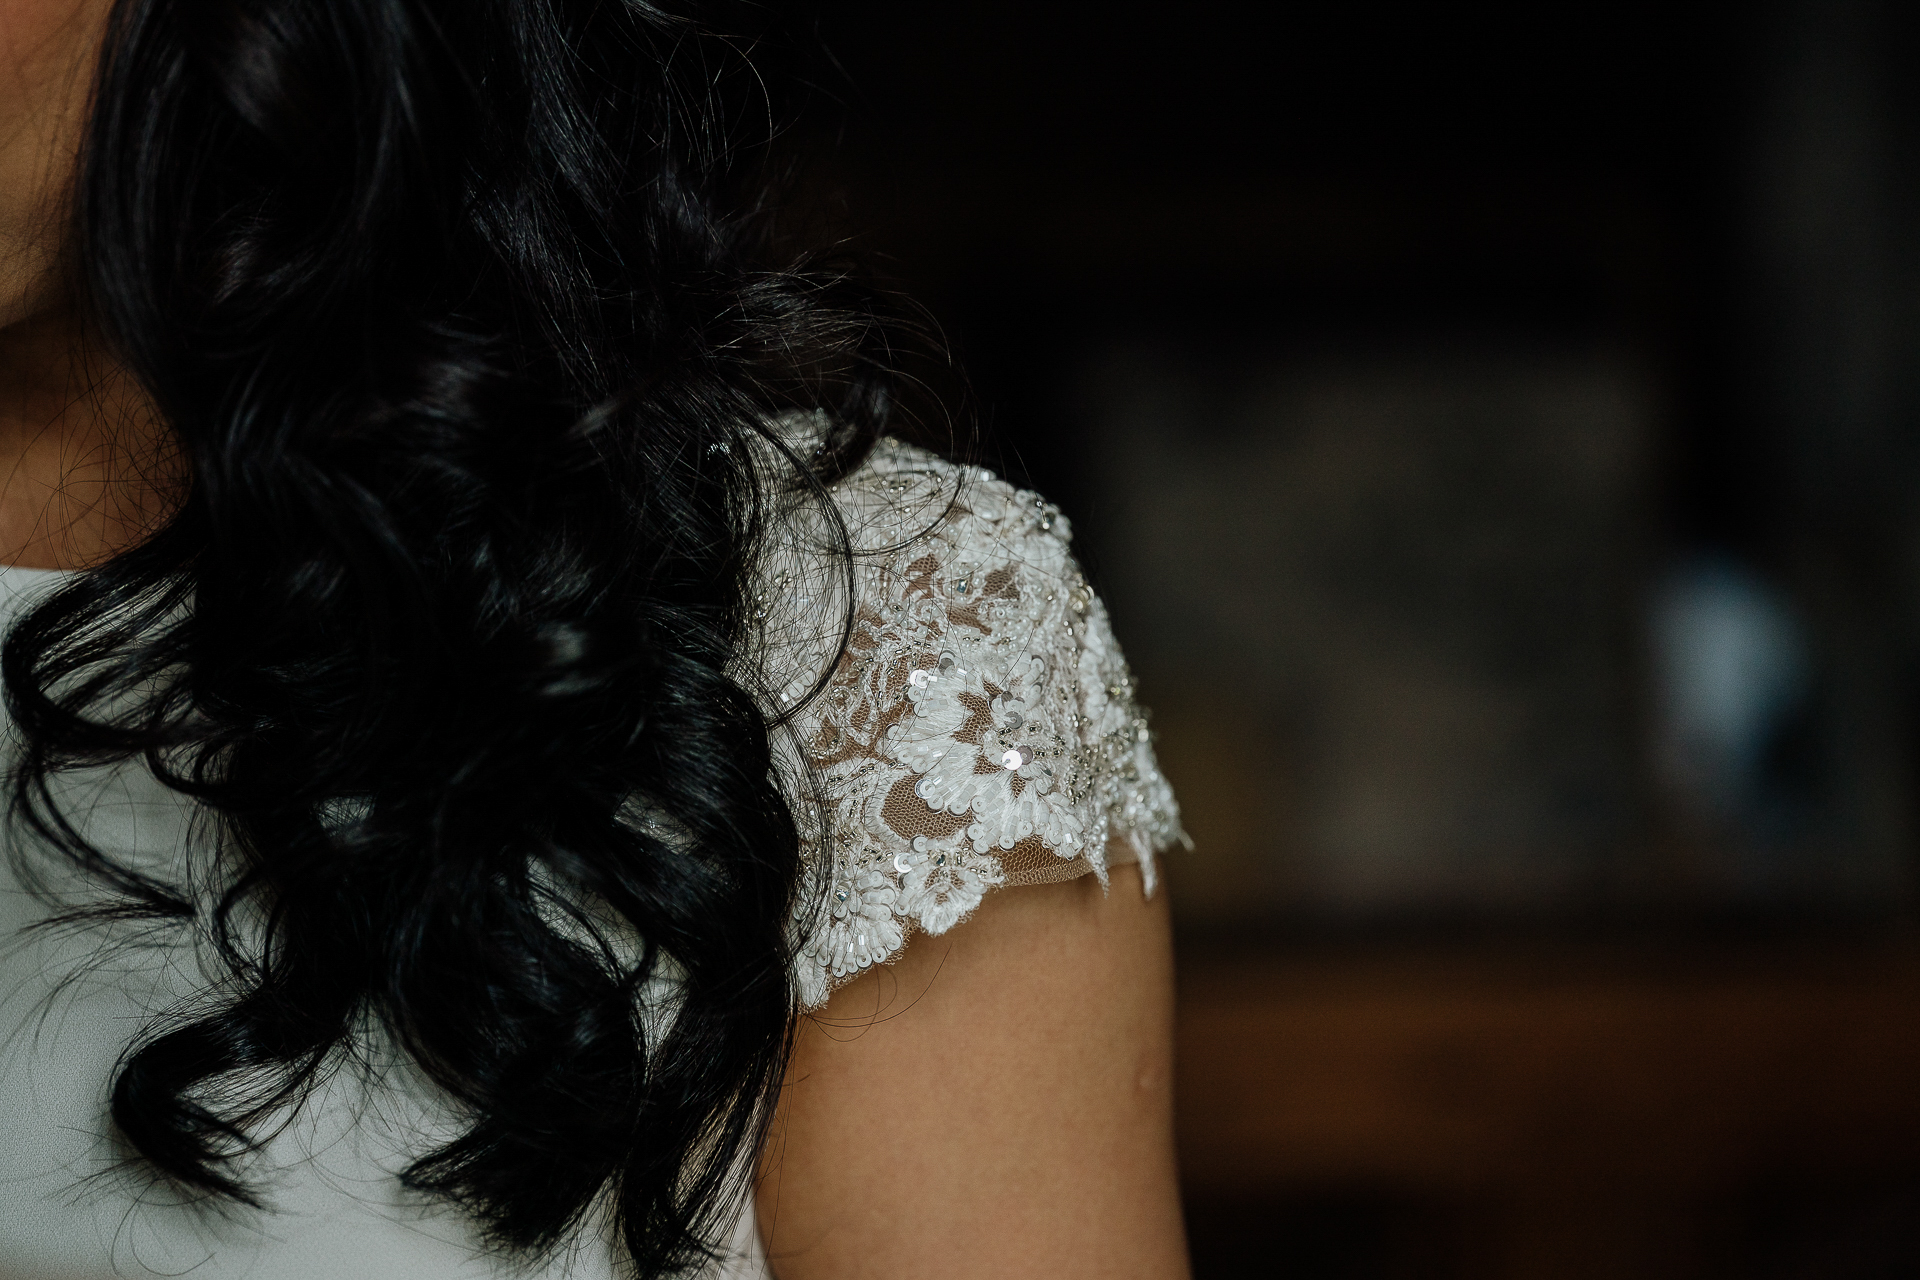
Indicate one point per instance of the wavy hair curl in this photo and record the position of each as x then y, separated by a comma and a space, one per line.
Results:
468, 350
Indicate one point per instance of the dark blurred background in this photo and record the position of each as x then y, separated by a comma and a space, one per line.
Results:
1492, 431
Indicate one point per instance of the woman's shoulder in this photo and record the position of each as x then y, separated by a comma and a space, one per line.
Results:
979, 727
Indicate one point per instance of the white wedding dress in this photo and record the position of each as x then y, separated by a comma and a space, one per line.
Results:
978, 733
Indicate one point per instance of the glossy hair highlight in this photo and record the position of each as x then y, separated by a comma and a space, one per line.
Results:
469, 364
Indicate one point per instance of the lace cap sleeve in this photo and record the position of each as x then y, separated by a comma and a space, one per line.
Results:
980, 730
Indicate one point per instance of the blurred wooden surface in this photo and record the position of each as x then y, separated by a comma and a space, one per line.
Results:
1566, 1112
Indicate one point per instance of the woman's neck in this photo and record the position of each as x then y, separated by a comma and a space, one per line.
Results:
82, 453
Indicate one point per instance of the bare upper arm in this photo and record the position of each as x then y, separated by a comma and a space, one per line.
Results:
997, 1102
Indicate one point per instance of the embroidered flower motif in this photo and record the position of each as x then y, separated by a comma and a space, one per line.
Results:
980, 704
862, 927
944, 886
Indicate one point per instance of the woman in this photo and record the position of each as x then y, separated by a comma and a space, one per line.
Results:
514, 771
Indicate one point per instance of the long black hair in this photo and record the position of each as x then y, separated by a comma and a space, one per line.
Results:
464, 331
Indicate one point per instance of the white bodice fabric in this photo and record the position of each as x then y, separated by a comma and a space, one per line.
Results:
977, 731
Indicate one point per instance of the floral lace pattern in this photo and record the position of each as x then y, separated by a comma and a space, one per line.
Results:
980, 728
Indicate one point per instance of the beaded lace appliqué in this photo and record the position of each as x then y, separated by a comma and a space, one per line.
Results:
980, 729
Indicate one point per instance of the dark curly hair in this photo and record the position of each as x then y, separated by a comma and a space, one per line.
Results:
463, 325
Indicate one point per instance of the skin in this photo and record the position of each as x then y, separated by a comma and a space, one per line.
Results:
996, 1103
84, 470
